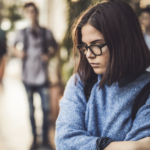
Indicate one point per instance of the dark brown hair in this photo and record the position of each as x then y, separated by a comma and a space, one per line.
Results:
120, 27
30, 4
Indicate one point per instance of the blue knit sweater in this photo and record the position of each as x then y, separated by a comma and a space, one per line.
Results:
107, 114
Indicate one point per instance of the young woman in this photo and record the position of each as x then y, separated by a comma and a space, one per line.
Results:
112, 49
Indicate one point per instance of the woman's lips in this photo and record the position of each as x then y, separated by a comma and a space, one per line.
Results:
94, 65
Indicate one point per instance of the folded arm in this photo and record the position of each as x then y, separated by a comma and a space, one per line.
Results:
70, 126
139, 135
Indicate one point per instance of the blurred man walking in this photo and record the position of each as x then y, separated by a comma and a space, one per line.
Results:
145, 23
38, 46
3, 49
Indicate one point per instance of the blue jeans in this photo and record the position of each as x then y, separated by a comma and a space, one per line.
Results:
43, 91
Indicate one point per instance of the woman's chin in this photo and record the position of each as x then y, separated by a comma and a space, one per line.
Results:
99, 70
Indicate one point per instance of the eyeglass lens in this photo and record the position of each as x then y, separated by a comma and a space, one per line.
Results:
94, 48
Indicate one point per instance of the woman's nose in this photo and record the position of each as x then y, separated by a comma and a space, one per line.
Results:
89, 53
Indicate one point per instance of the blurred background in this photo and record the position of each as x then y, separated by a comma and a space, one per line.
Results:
58, 16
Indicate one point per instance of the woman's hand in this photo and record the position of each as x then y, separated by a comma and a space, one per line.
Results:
122, 145
143, 144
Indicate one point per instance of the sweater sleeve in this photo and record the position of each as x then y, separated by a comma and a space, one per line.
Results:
71, 133
141, 125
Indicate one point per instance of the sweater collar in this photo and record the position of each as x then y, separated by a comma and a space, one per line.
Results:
126, 80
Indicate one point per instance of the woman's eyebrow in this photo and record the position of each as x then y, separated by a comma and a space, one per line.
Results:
99, 40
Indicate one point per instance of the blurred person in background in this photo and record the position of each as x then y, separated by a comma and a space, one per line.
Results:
145, 24
38, 46
3, 50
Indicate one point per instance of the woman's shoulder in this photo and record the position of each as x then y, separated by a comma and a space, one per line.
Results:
74, 83
144, 77
74, 91
142, 80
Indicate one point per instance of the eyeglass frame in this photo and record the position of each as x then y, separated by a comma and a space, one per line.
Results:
88, 47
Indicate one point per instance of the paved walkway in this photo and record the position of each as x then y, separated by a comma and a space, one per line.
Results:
15, 130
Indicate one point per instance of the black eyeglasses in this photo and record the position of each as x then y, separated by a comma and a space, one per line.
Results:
94, 48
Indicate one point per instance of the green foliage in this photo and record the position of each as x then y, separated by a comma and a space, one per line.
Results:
13, 14
10, 11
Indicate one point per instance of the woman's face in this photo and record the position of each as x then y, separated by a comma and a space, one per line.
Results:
91, 35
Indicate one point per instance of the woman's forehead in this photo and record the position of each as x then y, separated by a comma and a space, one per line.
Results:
90, 34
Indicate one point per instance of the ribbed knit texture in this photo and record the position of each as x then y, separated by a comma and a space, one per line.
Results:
101, 143
107, 114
